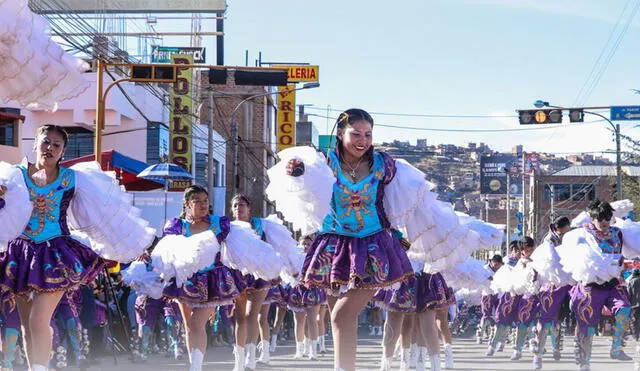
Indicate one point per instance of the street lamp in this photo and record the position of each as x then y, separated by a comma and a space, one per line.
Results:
234, 126
616, 130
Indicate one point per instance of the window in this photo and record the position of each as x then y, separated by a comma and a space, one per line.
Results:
8, 133
561, 192
80, 142
575, 192
157, 143
201, 168
582, 192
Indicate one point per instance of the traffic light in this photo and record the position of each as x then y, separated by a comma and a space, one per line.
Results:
152, 73
262, 77
576, 115
540, 116
217, 76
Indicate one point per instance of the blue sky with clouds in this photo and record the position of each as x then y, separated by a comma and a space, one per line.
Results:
450, 57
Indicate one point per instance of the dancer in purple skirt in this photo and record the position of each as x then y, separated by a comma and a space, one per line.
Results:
211, 286
10, 332
506, 309
551, 298
353, 199
399, 304
527, 309
588, 297
488, 303
305, 303
42, 260
248, 306
147, 313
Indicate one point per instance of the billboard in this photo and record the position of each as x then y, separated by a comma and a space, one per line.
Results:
286, 124
493, 181
162, 54
180, 118
127, 6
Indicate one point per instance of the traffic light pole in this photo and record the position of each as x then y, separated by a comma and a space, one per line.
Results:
616, 130
618, 164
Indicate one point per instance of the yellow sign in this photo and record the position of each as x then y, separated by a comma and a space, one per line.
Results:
286, 125
180, 118
303, 73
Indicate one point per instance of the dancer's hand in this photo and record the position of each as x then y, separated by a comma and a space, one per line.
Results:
3, 190
295, 167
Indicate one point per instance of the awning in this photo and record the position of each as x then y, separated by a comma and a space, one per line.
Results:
126, 169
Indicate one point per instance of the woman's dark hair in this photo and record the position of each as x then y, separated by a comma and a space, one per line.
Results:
240, 197
190, 192
561, 222
348, 118
497, 258
514, 246
600, 210
527, 242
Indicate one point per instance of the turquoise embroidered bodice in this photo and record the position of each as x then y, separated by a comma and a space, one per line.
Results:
256, 225
610, 242
355, 208
50, 203
214, 225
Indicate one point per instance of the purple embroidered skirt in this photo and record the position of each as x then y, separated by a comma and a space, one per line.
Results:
402, 299
216, 286
58, 264
302, 297
339, 263
432, 292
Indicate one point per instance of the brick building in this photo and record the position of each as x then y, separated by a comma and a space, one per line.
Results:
569, 191
255, 119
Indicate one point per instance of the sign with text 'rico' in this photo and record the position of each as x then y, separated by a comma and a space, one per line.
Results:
180, 117
286, 125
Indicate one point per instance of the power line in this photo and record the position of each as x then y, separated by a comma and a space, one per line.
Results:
540, 127
425, 115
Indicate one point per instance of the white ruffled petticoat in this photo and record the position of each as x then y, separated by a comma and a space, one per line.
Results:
581, 257
34, 70
470, 274
16, 212
546, 261
303, 200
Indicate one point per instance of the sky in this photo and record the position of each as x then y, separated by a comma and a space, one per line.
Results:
457, 58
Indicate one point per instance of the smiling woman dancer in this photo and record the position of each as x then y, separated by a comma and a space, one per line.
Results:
354, 198
211, 286
41, 261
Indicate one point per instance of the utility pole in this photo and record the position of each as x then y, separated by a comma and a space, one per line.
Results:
508, 210
524, 195
210, 172
618, 164
553, 198
234, 141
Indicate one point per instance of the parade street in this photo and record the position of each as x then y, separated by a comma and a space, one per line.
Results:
468, 357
